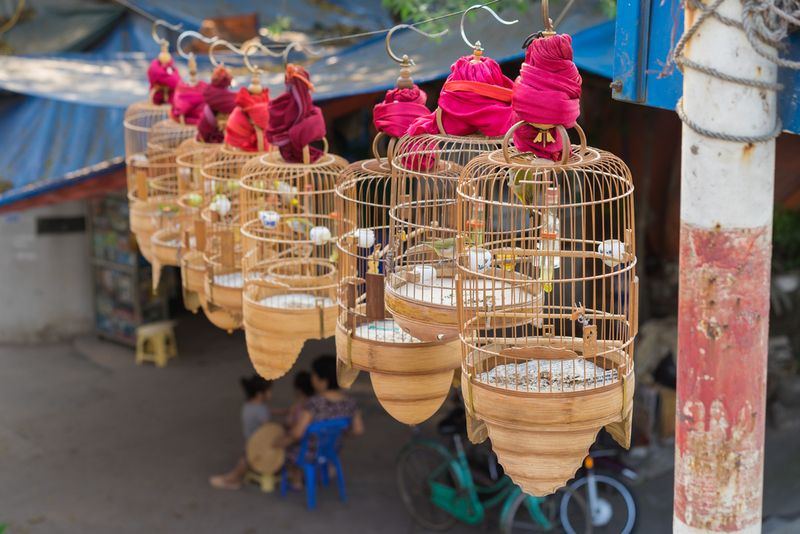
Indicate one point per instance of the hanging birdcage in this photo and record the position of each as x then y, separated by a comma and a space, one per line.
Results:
190, 157
411, 378
222, 254
474, 113
548, 362
420, 286
245, 139
140, 120
289, 229
165, 241
152, 202
289, 234
174, 137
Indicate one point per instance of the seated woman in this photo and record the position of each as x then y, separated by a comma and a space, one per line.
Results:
303, 390
328, 402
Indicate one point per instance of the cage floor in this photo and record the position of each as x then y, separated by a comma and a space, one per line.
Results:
385, 331
295, 301
177, 243
549, 376
478, 293
229, 280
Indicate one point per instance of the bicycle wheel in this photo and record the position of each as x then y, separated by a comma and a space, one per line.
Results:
530, 514
526, 518
418, 466
612, 512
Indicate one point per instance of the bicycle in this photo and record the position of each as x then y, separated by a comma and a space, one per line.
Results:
439, 489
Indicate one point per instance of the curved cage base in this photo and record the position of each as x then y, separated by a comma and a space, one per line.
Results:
428, 312
191, 301
166, 244
276, 335
410, 380
541, 439
424, 322
145, 245
346, 374
223, 302
220, 317
193, 270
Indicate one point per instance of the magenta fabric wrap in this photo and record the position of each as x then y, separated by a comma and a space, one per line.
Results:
219, 99
188, 102
467, 112
400, 107
547, 92
163, 79
294, 120
251, 111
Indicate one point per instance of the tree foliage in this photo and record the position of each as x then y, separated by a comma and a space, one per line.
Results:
414, 10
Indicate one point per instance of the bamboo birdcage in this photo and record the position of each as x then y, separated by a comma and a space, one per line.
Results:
411, 378
190, 157
139, 120
420, 285
542, 375
165, 241
144, 158
222, 253
289, 230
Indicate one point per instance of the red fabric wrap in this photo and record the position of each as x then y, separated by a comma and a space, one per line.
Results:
547, 92
188, 102
466, 112
400, 107
294, 120
163, 79
219, 100
251, 111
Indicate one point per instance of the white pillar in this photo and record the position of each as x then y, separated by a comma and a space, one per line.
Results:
723, 317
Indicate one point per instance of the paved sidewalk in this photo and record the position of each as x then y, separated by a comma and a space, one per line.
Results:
91, 443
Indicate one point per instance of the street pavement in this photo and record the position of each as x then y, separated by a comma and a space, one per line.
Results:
91, 443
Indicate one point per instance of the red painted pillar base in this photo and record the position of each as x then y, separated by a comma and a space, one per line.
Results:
723, 327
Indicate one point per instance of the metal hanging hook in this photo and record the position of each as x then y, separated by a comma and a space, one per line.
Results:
227, 44
163, 23
191, 33
549, 25
255, 45
477, 45
405, 60
297, 45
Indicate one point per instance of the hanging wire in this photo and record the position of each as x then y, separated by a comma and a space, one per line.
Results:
326, 40
12, 21
477, 44
138, 10
191, 33
405, 59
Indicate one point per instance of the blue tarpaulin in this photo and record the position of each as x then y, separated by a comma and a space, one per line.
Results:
65, 121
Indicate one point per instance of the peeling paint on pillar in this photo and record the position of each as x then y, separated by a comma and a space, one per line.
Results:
723, 321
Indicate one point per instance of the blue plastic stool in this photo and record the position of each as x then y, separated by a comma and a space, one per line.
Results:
323, 437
